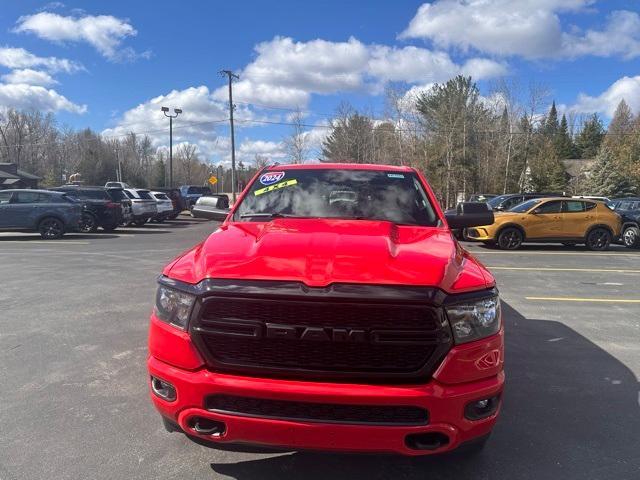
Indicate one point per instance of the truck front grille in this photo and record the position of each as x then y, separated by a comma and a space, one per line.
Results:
320, 338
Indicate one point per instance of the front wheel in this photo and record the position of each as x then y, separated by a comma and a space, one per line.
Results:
510, 239
51, 228
598, 239
631, 237
140, 222
88, 223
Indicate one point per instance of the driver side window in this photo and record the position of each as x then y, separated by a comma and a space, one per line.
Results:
549, 207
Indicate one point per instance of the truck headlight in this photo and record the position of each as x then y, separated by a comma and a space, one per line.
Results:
474, 319
173, 306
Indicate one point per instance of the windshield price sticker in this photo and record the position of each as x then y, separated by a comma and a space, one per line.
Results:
270, 178
277, 186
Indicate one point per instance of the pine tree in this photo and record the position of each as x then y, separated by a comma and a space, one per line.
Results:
622, 121
551, 126
563, 142
606, 178
590, 137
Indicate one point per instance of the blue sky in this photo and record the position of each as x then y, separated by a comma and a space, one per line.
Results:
110, 65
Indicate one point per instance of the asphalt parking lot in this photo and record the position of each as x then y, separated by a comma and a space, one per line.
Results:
74, 402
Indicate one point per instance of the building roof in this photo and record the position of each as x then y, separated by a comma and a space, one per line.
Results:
5, 167
577, 166
10, 181
29, 176
7, 175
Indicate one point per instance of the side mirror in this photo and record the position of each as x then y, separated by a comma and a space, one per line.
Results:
212, 208
218, 214
469, 214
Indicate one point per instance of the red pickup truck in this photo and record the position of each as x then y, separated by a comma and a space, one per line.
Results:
331, 310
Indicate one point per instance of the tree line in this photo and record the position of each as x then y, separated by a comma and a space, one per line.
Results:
38, 145
504, 143
512, 140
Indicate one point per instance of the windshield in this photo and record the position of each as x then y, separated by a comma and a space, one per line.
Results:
357, 194
198, 191
495, 201
525, 206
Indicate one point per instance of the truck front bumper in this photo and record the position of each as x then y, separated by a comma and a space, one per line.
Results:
445, 404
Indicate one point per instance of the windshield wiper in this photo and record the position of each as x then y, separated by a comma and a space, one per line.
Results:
266, 215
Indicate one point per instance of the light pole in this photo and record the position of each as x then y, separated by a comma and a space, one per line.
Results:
177, 112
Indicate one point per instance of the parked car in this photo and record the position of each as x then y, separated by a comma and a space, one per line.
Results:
52, 214
559, 220
100, 208
481, 197
116, 185
179, 203
510, 200
119, 195
143, 207
629, 210
164, 206
209, 207
191, 193
337, 322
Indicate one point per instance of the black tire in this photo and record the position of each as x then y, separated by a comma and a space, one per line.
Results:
51, 228
140, 222
110, 227
88, 223
510, 239
598, 239
631, 237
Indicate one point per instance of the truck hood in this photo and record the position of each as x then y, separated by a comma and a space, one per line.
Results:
319, 252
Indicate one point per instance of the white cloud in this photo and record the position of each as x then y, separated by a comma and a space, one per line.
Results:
532, 29
620, 37
287, 73
249, 148
411, 64
104, 32
29, 77
627, 88
16, 58
201, 118
33, 97
480, 68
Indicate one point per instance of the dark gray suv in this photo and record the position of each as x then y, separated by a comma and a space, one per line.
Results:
50, 213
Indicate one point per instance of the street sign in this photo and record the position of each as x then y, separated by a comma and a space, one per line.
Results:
213, 179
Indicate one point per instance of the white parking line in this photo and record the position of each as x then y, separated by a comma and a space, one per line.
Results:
582, 254
589, 300
46, 242
552, 269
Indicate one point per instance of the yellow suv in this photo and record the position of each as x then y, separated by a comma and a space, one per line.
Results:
565, 220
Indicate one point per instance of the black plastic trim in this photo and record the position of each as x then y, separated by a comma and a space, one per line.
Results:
283, 405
